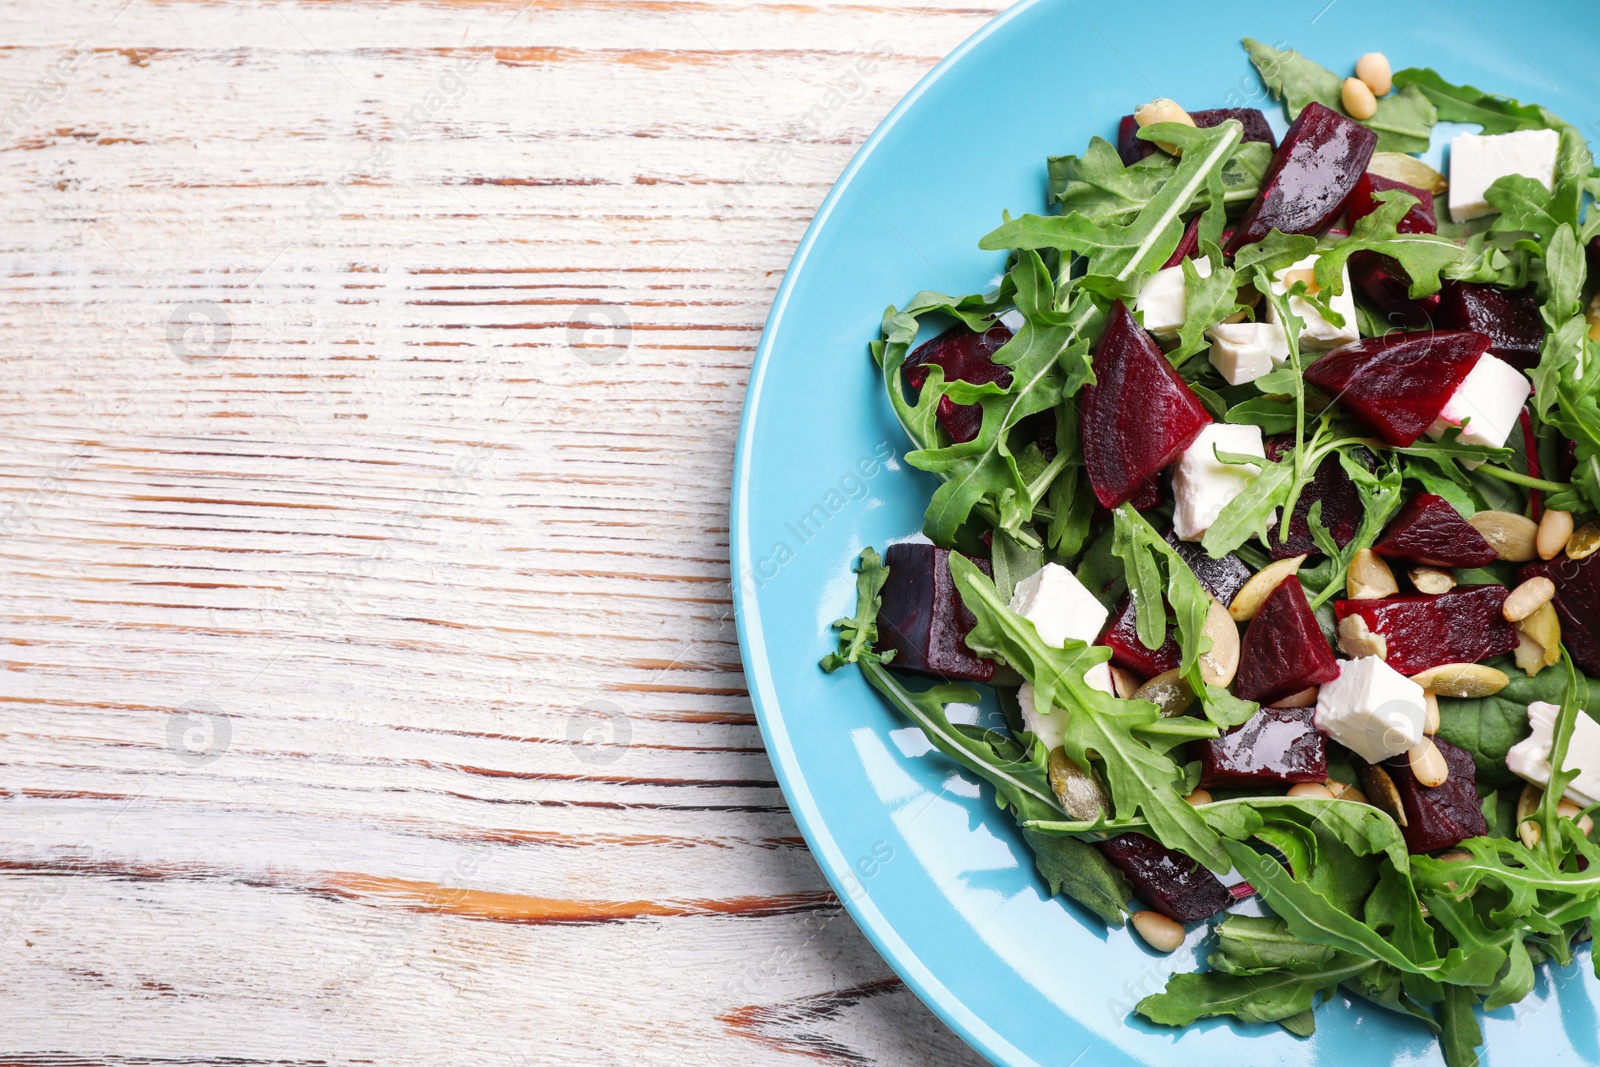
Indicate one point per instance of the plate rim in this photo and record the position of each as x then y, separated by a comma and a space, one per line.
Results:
972, 1029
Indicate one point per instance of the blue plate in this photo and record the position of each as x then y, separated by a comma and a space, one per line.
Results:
937, 876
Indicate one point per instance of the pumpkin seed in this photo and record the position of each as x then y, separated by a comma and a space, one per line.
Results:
1464, 681
1248, 600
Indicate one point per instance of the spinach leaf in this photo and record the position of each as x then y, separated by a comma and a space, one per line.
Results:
1488, 726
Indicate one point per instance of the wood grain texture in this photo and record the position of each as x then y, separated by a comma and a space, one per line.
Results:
370, 690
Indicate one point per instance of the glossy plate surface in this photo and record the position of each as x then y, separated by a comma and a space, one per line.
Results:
936, 875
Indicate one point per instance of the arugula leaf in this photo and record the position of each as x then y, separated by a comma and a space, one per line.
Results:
1463, 103
1272, 413
858, 633
1293, 78
1098, 726
1272, 996
1404, 122
1251, 944
1079, 870
1460, 1035
1207, 301
1525, 206
1422, 255
1099, 187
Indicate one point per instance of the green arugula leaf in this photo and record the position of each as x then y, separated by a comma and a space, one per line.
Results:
1250, 944
1422, 255
1525, 206
1404, 122
858, 633
1272, 996
1079, 870
1098, 726
1207, 301
1097, 186
1293, 78
1272, 413
1463, 103
1460, 1035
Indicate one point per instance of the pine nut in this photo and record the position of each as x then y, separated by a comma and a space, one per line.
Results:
1585, 542
1198, 797
1463, 681
1354, 794
1555, 530
1159, 932
1169, 691
1528, 832
1306, 698
1432, 580
1311, 789
1163, 110
1528, 598
1428, 764
1430, 722
1369, 577
1356, 640
1220, 663
1455, 855
1359, 102
1374, 72
1306, 275
1527, 804
1539, 640
1515, 537
1567, 809
1248, 600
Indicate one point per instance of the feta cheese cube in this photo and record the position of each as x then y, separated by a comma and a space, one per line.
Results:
1244, 351
1163, 298
1371, 709
1203, 485
1059, 606
1052, 727
1488, 401
1477, 161
1530, 757
1317, 332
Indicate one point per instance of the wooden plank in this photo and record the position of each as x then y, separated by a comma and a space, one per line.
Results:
370, 687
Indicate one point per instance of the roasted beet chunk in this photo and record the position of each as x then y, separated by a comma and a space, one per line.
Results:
1461, 626
1341, 505
1312, 173
1131, 149
1188, 244
1277, 746
1138, 415
1223, 577
1508, 317
1386, 285
1363, 202
1444, 815
1128, 652
923, 619
1430, 530
965, 356
1174, 884
1283, 650
1397, 384
1578, 603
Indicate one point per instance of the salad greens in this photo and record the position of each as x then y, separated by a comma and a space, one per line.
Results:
1430, 937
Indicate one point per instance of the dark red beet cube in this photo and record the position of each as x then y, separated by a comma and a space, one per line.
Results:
1283, 650
1363, 202
1223, 577
1578, 603
1138, 415
1171, 882
1276, 746
1461, 626
1128, 652
965, 356
1397, 384
1131, 149
1508, 317
1446, 814
1322, 157
1188, 244
923, 618
1386, 285
1430, 530
1341, 504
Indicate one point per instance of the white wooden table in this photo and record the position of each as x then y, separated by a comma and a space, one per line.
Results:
370, 690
